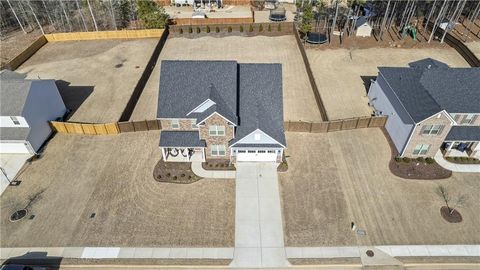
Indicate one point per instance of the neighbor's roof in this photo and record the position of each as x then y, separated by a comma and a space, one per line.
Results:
464, 133
14, 133
184, 85
13, 95
424, 91
261, 101
181, 139
360, 21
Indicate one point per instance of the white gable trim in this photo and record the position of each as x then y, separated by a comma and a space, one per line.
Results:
434, 115
203, 104
198, 122
240, 141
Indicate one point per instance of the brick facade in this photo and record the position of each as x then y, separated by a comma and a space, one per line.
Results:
435, 141
185, 124
460, 117
216, 119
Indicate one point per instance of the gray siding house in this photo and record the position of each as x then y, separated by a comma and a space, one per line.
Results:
26, 106
430, 107
221, 110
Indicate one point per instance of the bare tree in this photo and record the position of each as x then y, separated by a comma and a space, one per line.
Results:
16, 17
81, 15
443, 193
35, 16
93, 17
451, 202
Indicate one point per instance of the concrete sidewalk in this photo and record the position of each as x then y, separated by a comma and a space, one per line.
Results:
200, 171
11, 165
468, 168
119, 253
258, 217
393, 251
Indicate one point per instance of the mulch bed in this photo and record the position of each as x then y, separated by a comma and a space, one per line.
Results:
174, 172
218, 165
454, 217
419, 170
463, 160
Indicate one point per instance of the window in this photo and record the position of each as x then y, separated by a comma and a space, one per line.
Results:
241, 151
218, 150
468, 119
15, 120
251, 151
271, 151
216, 130
175, 124
194, 123
432, 129
261, 151
456, 117
421, 149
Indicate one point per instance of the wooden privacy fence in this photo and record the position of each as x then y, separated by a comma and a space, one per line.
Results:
105, 129
122, 34
232, 29
335, 125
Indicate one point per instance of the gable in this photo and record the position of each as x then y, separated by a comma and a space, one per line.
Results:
257, 137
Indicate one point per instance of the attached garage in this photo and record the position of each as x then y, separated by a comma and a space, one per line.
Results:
257, 155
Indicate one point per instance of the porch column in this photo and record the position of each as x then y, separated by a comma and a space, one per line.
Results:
450, 147
163, 154
188, 154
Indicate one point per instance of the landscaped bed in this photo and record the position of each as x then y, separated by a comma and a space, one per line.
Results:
174, 172
218, 165
419, 168
463, 160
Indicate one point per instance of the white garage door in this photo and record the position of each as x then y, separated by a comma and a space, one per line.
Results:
14, 148
257, 156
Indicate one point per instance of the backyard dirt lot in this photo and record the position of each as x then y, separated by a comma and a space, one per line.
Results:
112, 176
343, 75
298, 100
95, 78
340, 177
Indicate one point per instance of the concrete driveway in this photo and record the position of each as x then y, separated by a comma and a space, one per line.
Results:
10, 164
258, 217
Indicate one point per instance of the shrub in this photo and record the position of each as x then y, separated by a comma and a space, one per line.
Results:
216, 165
181, 31
210, 165
229, 29
208, 29
429, 160
175, 177
190, 30
420, 159
189, 177
168, 174
198, 30
251, 28
406, 160
269, 28
398, 159
260, 28
182, 175
279, 28
159, 176
241, 28
217, 29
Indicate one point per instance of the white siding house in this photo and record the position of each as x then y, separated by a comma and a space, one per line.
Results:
362, 27
26, 107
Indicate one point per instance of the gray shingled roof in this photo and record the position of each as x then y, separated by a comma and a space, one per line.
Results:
184, 85
261, 101
181, 139
14, 133
425, 63
426, 91
13, 95
464, 133
360, 21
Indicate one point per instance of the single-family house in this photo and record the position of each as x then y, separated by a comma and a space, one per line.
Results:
362, 27
430, 107
26, 106
221, 110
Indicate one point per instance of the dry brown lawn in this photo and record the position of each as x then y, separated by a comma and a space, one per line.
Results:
95, 78
298, 100
342, 75
112, 176
339, 177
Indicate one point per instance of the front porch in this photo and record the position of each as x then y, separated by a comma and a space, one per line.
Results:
183, 154
182, 146
461, 149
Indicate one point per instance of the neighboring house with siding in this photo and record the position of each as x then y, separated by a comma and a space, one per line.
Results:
430, 107
26, 107
221, 110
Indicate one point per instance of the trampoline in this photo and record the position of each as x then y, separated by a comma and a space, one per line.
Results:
316, 38
278, 15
